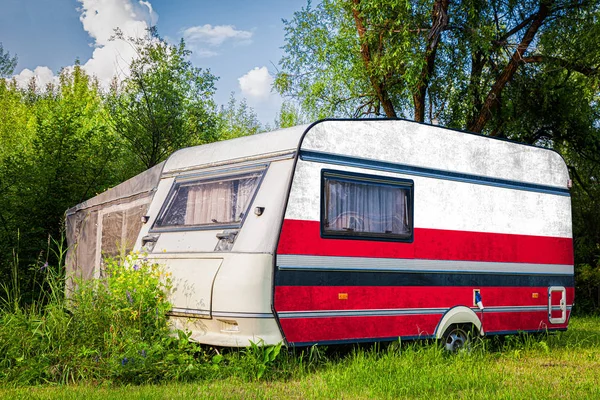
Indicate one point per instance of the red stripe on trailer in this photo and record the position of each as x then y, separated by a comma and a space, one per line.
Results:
304, 238
502, 322
311, 330
314, 330
321, 298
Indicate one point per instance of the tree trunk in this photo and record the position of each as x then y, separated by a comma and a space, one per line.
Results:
439, 22
507, 74
477, 64
378, 86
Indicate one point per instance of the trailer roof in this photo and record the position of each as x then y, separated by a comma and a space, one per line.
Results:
283, 140
428, 149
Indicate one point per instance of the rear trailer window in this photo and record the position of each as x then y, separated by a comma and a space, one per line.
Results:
366, 207
209, 202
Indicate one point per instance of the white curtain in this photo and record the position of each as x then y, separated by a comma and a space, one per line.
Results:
364, 207
209, 203
219, 202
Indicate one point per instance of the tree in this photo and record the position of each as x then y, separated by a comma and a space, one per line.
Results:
423, 59
57, 149
237, 119
289, 115
7, 63
165, 103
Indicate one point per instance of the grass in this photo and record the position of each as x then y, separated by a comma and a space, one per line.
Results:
565, 365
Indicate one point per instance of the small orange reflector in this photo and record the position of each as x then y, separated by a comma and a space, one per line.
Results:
534, 295
342, 296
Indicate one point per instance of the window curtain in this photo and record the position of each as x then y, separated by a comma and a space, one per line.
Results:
219, 202
363, 207
209, 203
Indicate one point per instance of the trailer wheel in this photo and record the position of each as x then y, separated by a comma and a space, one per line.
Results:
457, 337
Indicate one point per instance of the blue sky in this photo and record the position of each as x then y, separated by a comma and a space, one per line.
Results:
238, 40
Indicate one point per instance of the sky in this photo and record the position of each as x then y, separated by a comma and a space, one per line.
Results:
239, 41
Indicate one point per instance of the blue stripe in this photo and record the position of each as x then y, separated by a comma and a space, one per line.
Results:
336, 159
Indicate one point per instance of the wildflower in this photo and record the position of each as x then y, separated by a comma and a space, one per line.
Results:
136, 267
143, 353
124, 361
129, 297
43, 267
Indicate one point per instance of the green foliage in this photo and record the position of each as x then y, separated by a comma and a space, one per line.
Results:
347, 58
7, 63
264, 356
321, 66
165, 103
289, 115
111, 329
236, 120
56, 150
588, 288
65, 143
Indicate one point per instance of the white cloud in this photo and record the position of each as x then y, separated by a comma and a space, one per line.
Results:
42, 75
205, 53
99, 19
256, 86
216, 35
256, 83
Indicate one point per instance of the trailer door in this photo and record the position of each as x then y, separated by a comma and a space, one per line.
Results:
557, 304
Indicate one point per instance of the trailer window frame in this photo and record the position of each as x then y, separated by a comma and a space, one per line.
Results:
206, 178
376, 180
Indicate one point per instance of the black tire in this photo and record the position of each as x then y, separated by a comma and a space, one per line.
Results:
458, 337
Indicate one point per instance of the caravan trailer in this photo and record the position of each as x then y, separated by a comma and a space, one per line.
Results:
347, 231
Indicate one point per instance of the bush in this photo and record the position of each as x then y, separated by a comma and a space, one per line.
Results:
111, 329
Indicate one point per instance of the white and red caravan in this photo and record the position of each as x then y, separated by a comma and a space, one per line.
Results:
362, 230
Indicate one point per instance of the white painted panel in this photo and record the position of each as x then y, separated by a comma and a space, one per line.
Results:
442, 204
410, 143
244, 284
192, 281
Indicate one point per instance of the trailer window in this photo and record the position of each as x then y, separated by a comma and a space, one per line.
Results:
210, 202
366, 206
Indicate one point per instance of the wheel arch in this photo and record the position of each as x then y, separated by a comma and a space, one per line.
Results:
458, 315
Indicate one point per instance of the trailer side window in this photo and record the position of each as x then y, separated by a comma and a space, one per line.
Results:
210, 202
366, 206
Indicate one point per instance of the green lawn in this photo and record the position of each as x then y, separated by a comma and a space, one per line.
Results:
566, 365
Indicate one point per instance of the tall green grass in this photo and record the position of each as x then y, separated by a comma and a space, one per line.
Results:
113, 329
564, 365
109, 330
